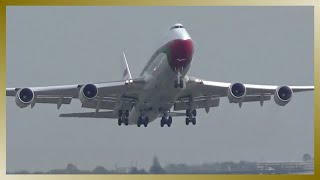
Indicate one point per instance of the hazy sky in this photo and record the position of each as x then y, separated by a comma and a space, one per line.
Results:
70, 45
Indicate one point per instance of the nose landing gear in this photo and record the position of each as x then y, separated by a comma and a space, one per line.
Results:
178, 82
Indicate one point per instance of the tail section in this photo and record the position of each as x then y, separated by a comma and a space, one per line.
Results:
126, 74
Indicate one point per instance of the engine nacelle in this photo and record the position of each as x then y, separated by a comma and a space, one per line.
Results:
283, 95
236, 92
24, 97
88, 92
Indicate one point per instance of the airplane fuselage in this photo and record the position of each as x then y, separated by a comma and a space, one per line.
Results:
169, 63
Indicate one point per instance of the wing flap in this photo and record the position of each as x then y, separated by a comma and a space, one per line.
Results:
109, 103
198, 104
104, 104
252, 98
53, 100
106, 114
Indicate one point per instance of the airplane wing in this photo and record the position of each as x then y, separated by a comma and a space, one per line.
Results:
105, 114
205, 94
109, 95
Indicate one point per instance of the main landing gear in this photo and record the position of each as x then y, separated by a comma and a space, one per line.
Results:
166, 120
123, 117
143, 120
191, 116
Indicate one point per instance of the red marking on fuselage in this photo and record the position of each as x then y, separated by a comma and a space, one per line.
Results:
181, 52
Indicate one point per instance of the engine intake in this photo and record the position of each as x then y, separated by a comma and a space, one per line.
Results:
236, 92
283, 95
88, 92
24, 97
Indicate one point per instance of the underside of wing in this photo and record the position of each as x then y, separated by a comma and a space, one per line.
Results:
109, 95
205, 94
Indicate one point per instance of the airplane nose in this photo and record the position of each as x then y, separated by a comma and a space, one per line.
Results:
181, 52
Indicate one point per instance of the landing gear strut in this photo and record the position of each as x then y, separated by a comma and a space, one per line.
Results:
178, 82
123, 117
191, 116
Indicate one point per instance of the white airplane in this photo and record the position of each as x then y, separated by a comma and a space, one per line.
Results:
162, 85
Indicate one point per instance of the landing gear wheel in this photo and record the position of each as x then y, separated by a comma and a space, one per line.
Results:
176, 84
188, 112
119, 121
194, 121
146, 121
194, 112
169, 122
181, 84
139, 121
187, 121
126, 121
162, 122
120, 113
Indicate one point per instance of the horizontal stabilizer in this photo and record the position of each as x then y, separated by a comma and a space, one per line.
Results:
106, 114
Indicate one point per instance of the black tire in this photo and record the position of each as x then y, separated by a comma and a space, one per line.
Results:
139, 121
194, 121
146, 122
188, 112
162, 122
126, 121
119, 121
187, 121
181, 84
170, 120
194, 112
127, 113
120, 113
176, 84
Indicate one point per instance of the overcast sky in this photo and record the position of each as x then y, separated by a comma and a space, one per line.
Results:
70, 45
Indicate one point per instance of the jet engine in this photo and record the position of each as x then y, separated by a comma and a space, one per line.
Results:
88, 92
283, 95
24, 97
236, 92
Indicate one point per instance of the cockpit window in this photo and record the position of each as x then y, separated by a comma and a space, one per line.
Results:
176, 26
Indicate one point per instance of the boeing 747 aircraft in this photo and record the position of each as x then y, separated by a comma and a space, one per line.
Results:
163, 90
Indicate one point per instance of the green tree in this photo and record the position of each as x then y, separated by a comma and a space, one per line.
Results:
307, 157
